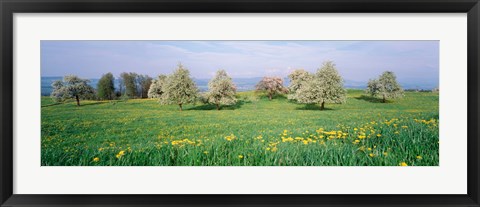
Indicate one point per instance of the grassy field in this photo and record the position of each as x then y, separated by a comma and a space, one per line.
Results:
255, 132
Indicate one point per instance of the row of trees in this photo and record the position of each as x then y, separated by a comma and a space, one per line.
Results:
324, 86
179, 88
131, 85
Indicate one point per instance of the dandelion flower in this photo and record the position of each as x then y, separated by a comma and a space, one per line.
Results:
240, 156
403, 164
371, 155
419, 157
96, 159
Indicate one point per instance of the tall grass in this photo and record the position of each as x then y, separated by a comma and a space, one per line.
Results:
255, 132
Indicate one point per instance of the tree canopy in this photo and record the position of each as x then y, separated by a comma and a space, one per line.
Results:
155, 90
297, 79
326, 86
179, 88
143, 82
272, 86
72, 87
222, 90
106, 87
386, 86
130, 84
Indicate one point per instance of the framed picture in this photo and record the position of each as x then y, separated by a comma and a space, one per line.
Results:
199, 103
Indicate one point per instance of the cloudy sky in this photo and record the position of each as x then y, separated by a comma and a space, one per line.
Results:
412, 61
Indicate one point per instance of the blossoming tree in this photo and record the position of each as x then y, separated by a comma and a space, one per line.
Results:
222, 90
386, 86
326, 86
297, 79
179, 88
72, 87
155, 90
272, 85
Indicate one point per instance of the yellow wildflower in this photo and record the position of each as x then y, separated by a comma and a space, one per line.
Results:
240, 156
96, 159
230, 138
371, 155
419, 157
403, 164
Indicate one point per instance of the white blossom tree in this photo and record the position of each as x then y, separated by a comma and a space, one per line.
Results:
326, 86
272, 86
222, 90
386, 86
179, 88
297, 79
155, 90
72, 87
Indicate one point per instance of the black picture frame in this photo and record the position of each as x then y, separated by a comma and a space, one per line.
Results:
9, 7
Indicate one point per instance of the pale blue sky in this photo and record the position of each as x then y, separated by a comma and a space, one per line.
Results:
412, 61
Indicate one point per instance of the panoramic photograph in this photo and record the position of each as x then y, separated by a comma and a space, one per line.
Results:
239, 103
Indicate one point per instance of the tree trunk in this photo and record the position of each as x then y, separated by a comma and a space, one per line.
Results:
218, 106
270, 96
181, 109
322, 106
384, 100
78, 100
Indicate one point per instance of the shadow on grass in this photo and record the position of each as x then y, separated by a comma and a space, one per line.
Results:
213, 107
82, 103
53, 104
315, 107
93, 103
58, 103
371, 99
264, 96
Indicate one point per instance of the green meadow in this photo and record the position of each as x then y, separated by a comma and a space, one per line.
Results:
254, 132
